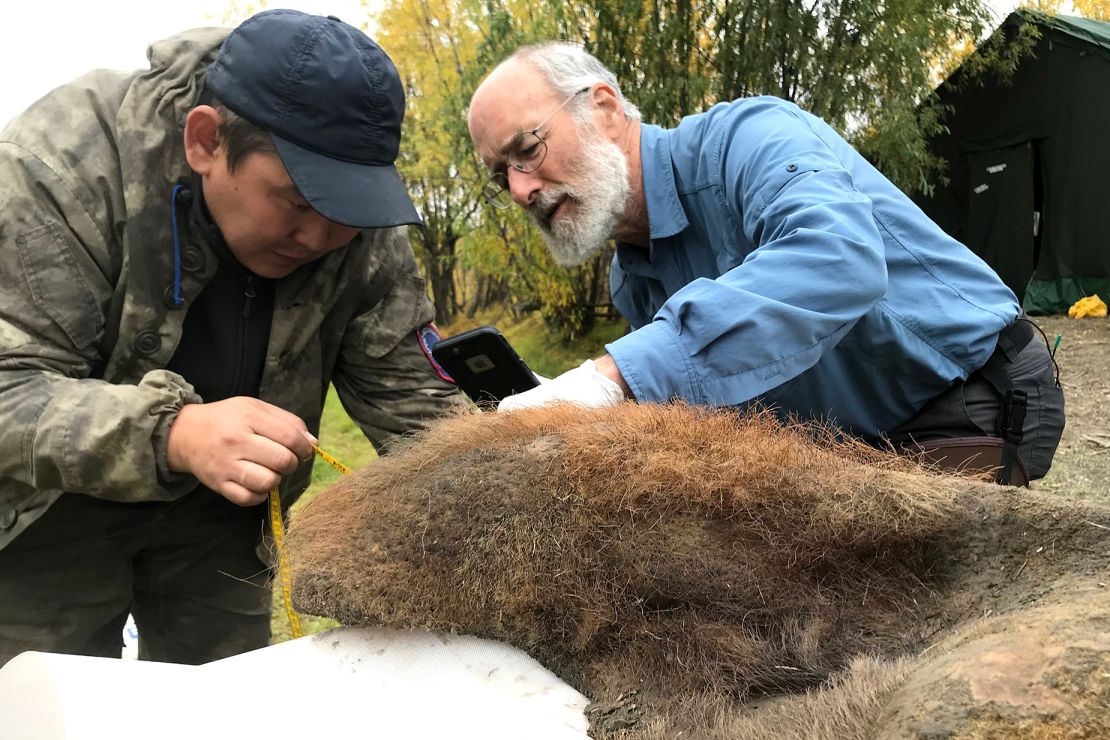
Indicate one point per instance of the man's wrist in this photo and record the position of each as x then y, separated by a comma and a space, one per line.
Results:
176, 459
606, 366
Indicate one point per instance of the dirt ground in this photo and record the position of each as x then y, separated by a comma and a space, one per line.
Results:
1082, 464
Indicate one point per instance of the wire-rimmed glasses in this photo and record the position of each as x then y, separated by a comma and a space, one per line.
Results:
525, 153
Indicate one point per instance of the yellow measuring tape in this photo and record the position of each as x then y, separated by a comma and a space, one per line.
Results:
278, 526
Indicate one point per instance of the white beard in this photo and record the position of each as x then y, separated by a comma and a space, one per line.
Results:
598, 197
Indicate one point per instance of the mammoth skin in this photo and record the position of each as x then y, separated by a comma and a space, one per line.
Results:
698, 572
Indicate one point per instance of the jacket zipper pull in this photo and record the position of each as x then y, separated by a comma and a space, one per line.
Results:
248, 294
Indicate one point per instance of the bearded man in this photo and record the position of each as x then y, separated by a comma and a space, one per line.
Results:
761, 259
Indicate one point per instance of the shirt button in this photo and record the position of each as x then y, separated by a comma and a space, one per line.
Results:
791, 167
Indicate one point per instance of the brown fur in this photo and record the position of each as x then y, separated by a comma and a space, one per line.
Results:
668, 551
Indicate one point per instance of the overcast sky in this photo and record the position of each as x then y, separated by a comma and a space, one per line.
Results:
44, 43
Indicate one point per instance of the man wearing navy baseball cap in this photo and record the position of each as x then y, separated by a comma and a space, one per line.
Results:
190, 256
332, 103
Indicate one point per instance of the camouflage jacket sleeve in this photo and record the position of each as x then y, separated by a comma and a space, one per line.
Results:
383, 377
65, 429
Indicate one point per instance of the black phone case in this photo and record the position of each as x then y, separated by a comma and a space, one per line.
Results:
484, 365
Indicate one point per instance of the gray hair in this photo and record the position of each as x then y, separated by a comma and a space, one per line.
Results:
569, 68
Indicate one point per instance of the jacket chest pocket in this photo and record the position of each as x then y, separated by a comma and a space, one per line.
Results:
58, 287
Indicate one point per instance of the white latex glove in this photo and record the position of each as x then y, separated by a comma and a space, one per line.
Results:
583, 385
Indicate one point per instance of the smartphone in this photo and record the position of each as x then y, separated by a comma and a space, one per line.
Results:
484, 365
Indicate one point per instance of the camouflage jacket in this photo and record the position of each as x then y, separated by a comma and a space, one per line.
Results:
87, 320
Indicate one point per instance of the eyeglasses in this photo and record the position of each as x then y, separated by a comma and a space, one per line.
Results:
526, 153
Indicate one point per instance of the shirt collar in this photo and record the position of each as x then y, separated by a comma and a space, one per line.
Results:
666, 216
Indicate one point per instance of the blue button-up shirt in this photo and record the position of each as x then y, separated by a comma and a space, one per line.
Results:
785, 269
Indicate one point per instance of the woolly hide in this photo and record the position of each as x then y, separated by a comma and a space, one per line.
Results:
656, 557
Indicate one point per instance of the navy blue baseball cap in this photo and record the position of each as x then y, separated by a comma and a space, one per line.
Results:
332, 102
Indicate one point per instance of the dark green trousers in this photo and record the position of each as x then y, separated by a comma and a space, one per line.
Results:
187, 570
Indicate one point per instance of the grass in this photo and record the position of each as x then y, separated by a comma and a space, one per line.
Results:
547, 355
342, 439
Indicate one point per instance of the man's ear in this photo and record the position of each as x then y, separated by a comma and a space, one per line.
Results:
202, 139
608, 107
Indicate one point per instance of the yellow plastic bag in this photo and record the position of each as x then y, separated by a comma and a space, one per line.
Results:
1092, 305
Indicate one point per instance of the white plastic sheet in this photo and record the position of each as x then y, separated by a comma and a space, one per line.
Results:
346, 683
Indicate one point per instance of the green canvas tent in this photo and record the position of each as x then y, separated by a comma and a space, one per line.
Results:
1029, 165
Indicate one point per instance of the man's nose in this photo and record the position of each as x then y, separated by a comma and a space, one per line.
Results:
317, 234
523, 186
312, 233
